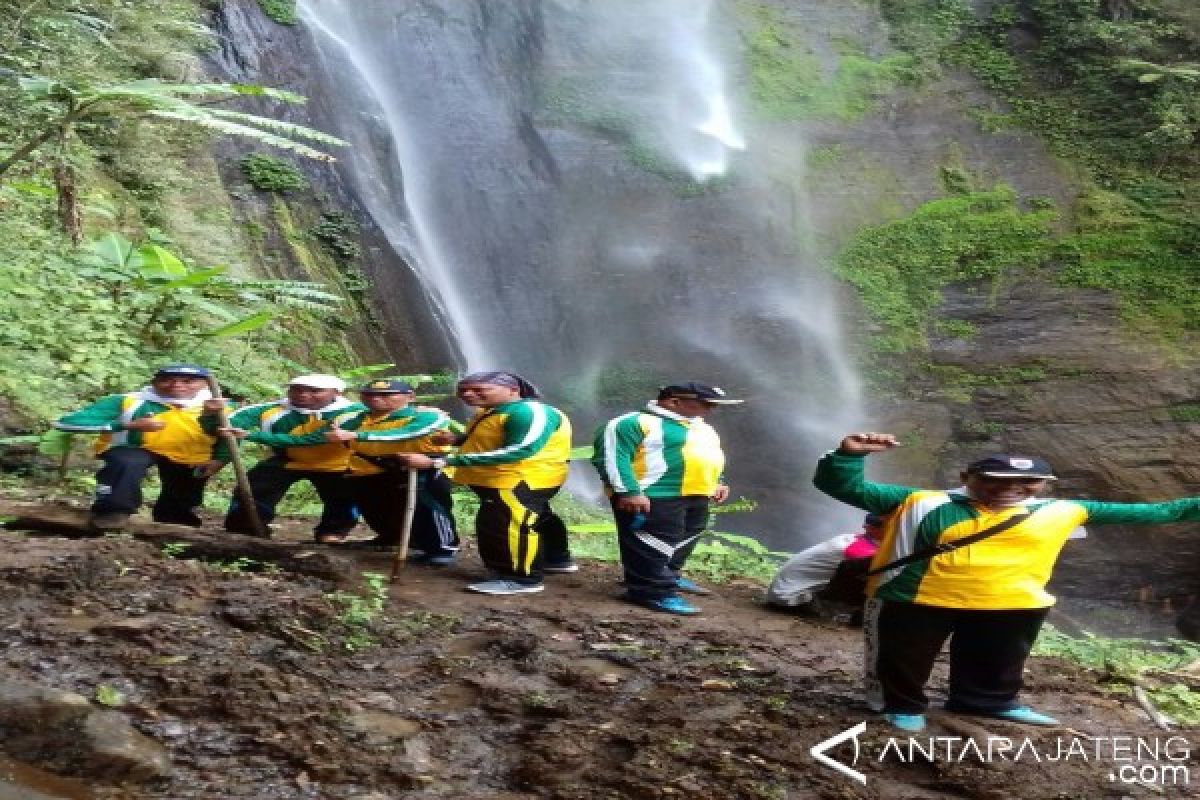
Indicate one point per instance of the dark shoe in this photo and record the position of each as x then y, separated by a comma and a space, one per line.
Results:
445, 559
105, 521
560, 568
377, 544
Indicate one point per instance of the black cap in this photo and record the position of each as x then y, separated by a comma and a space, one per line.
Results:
698, 391
190, 370
385, 387
1009, 466
873, 519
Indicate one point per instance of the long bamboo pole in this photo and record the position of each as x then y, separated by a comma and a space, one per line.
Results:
410, 509
239, 469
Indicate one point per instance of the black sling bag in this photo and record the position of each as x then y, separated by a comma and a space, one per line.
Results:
947, 547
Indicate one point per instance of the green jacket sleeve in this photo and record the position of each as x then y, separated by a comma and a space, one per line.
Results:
527, 428
1186, 509
102, 416
842, 476
287, 439
616, 444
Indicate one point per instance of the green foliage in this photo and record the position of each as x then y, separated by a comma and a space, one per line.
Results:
338, 231
1185, 413
271, 174
282, 11
900, 267
1114, 88
789, 82
109, 696
1154, 665
174, 549
356, 613
724, 556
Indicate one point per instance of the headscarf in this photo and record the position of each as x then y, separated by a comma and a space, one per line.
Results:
510, 379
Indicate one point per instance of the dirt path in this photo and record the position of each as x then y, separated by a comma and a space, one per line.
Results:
262, 686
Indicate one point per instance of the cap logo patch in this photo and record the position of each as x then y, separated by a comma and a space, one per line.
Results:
1020, 463
380, 384
718, 391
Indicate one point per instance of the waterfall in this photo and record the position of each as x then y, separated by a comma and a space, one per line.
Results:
575, 185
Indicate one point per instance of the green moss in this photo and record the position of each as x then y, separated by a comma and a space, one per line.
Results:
1185, 413
788, 81
271, 174
282, 11
900, 268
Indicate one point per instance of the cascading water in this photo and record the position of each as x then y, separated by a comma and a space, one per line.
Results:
569, 180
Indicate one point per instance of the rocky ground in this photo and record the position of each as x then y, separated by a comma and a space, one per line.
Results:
128, 670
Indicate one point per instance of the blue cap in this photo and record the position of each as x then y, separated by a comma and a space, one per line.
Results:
386, 387
698, 391
190, 370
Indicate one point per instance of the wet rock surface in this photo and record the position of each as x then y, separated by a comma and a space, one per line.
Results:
570, 694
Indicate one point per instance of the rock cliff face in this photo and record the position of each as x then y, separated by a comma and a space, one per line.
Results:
591, 259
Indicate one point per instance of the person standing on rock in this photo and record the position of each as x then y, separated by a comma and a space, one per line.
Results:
378, 482
971, 565
156, 426
514, 457
661, 466
295, 428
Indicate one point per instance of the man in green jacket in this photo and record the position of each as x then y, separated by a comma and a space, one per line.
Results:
390, 427
157, 426
661, 466
969, 564
295, 428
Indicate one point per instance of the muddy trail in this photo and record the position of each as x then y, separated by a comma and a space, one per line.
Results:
130, 670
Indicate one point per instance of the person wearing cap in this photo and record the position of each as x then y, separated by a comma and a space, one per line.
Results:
661, 466
514, 457
801, 579
156, 426
390, 426
969, 564
295, 428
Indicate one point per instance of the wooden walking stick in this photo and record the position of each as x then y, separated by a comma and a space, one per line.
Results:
410, 509
239, 469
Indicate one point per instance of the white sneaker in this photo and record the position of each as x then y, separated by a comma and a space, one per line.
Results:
501, 586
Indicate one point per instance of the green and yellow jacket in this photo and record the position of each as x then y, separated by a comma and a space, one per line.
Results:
1006, 571
297, 436
182, 440
406, 430
513, 442
658, 453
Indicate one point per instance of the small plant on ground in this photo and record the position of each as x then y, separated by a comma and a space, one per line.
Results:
1165, 670
174, 549
357, 612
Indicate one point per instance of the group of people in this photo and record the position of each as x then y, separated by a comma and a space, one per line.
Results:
662, 466
969, 564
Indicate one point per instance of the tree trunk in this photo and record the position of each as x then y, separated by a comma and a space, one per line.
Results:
68, 202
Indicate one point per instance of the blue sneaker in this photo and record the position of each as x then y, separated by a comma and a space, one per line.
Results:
689, 585
670, 605
441, 560
1024, 715
909, 723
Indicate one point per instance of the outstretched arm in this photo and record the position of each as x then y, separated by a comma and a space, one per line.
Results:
840, 474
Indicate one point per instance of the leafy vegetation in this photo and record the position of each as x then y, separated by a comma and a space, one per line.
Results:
270, 174
121, 246
1166, 670
356, 613
900, 268
282, 11
1114, 88
787, 81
